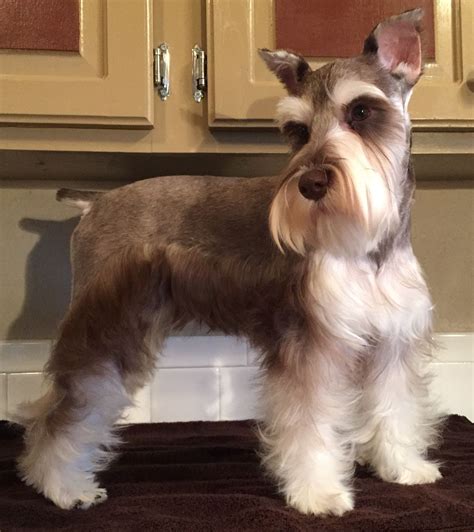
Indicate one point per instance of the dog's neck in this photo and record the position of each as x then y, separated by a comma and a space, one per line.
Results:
400, 238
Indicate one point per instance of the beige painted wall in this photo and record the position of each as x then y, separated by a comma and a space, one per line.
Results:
35, 276
443, 239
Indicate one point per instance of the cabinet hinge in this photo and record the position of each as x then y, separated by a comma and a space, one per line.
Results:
161, 70
199, 73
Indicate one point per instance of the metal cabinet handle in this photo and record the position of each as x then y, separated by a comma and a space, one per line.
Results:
162, 70
199, 73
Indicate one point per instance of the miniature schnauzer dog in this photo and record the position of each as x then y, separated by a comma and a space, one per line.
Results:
314, 267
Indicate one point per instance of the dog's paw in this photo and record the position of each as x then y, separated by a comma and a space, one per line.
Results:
68, 499
417, 472
316, 502
90, 498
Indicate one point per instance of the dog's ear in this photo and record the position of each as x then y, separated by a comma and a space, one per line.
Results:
289, 68
397, 44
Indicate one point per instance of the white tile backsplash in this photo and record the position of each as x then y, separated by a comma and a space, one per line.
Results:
239, 393
252, 357
185, 395
203, 351
212, 377
454, 386
23, 387
455, 347
140, 412
21, 357
3, 395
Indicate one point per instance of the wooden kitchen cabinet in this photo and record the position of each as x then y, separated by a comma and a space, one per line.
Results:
98, 76
244, 93
101, 98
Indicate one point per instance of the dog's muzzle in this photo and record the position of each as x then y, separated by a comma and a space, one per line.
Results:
313, 184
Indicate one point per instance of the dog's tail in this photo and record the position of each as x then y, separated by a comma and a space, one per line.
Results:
81, 199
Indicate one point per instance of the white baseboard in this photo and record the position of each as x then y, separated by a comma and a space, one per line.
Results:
213, 378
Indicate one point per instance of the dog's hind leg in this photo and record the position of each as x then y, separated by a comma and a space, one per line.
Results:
71, 436
100, 359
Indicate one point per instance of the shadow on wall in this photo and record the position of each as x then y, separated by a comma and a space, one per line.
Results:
47, 279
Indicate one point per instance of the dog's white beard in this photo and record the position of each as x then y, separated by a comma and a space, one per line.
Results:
359, 210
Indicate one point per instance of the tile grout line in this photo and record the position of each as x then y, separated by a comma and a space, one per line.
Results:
240, 366
454, 343
152, 389
219, 392
7, 410
149, 401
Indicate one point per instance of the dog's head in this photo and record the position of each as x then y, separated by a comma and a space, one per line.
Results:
348, 126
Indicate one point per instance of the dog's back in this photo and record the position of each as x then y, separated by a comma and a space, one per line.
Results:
233, 212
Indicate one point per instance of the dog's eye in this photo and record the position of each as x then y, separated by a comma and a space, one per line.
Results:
360, 112
297, 134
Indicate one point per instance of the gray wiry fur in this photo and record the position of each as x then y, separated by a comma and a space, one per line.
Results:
313, 266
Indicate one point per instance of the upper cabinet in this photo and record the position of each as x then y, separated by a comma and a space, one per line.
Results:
242, 92
84, 63
77, 75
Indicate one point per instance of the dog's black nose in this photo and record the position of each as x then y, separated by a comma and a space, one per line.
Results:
313, 184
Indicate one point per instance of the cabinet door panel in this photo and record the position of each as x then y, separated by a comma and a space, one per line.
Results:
40, 25
336, 28
107, 82
243, 93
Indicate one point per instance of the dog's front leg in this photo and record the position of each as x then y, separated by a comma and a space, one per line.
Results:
402, 421
306, 407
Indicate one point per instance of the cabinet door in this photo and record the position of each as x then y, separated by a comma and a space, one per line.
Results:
243, 93
76, 63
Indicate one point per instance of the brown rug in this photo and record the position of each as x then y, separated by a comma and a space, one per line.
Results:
204, 476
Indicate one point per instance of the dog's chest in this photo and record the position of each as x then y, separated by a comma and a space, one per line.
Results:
355, 301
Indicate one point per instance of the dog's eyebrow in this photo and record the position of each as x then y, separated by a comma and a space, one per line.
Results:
347, 90
294, 109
